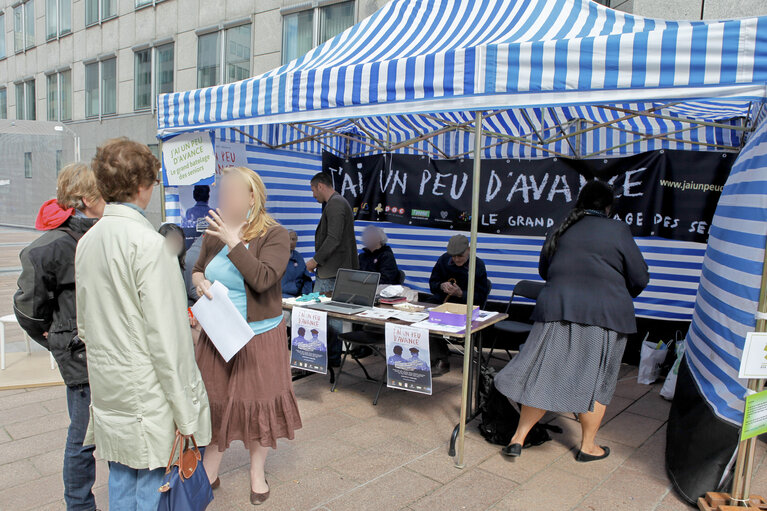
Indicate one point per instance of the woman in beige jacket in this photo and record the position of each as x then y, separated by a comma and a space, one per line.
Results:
131, 315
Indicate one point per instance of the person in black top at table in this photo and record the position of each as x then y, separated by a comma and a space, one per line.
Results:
377, 256
449, 282
583, 315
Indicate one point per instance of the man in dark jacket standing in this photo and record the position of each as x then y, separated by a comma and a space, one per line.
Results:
45, 308
335, 246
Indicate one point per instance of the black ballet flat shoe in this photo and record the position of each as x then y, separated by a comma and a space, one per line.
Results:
585, 458
513, 450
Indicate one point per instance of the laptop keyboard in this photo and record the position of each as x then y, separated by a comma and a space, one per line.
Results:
344, 305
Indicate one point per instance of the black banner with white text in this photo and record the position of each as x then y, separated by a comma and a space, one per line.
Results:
671, 194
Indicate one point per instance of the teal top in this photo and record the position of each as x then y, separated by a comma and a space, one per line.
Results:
221, 269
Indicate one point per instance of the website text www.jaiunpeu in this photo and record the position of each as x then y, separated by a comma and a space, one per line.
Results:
691, 185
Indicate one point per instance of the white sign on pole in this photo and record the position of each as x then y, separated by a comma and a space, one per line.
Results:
188, 159
753, 363
230, 154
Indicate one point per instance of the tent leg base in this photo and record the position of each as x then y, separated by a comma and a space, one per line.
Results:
719, 501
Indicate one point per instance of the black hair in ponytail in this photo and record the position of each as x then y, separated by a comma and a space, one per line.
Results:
595, 196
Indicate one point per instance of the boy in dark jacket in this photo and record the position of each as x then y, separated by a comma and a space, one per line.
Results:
45, 308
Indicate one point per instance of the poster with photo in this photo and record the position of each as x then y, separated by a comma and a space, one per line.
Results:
407, 358
309, 340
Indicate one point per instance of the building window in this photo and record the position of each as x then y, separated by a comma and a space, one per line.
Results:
2, 39
142, 82
208, 51
58, 18
97, 11
60, 96
146, 86
24, 26
25, 100
3, 103
163, 64
28, 165
300, 33
101, 88
144, 3
230, 46
606, 3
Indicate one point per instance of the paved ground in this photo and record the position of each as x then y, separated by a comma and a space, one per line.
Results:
351, 455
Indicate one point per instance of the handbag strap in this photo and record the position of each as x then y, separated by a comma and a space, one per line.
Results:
176, 443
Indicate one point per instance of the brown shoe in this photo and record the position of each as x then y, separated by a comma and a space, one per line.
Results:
259, 498
215, 484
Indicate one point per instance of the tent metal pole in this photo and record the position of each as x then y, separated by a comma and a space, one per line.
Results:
467, 345
744, 463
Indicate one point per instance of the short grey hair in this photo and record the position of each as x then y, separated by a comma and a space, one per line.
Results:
378, 231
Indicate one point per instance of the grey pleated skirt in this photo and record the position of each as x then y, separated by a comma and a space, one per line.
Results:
564, 367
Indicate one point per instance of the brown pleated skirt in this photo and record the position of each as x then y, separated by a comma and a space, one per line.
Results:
251, 397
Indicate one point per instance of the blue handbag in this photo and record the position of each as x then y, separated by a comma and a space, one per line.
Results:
186, 486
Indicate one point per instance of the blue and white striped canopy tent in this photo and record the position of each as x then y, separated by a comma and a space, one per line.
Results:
553, 78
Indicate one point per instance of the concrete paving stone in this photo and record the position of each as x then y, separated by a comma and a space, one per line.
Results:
391, 491
651, 405
18, 472
617, 405
22, 413
50, 462
237, 456
672, 502
377, 459
650, 457
305, 492
598, 470
628, 490
439, 466
55, 405
4, 436
308, 458
629, 388
475, 490
551, 489
31, 446
31, 427
324, 425
11, 392
33, 494
630, 429
533, 461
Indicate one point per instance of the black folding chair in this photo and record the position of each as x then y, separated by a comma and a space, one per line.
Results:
372, 338
511, 334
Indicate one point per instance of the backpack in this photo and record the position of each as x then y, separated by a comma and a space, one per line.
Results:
500, 417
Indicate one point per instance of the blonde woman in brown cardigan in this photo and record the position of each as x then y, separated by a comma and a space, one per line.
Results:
251, 396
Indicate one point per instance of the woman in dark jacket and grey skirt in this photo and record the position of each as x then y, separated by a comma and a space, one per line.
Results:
570, 362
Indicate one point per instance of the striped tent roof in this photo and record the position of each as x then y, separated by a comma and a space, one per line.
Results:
430, 56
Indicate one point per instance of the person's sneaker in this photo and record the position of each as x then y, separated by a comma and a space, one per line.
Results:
439, 368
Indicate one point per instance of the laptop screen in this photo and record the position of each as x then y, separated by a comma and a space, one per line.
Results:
356, 287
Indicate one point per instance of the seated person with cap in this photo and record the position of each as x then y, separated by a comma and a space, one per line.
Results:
377, 256
296, 281
449, 282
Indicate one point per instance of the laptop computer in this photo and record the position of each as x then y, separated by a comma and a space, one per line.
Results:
355, 291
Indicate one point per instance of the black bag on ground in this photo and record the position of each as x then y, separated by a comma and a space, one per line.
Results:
500, 418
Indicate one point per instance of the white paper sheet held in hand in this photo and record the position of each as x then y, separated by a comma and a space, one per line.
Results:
223, 323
